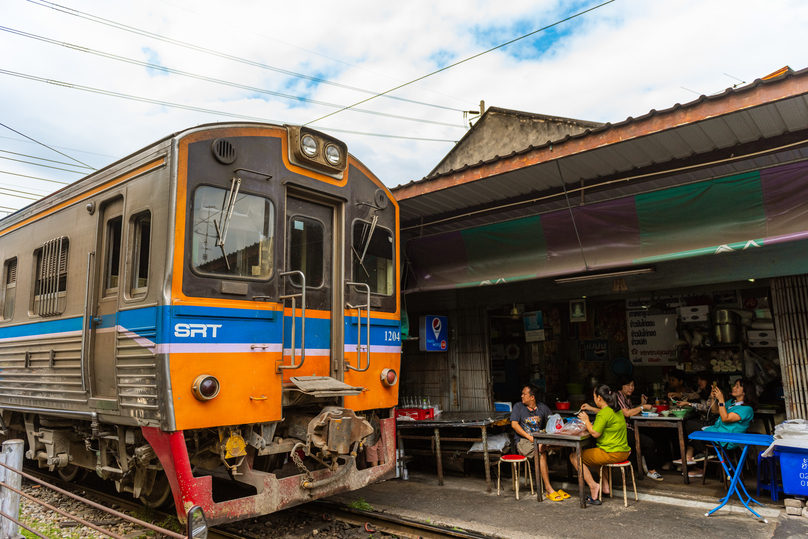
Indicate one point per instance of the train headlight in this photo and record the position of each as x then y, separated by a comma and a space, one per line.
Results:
332, 154
308, 145
197, 523
389, 377
205, 387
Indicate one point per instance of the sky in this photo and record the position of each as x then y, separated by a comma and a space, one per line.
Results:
97, 80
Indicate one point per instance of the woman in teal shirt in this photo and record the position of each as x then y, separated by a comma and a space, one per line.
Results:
610, 431
735, 416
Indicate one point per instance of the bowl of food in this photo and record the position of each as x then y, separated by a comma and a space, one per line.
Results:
562, 405
661, 407
680, 412
665, 413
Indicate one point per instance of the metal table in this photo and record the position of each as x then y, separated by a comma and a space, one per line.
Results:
445, 420
741, 439
670, 422
562, 441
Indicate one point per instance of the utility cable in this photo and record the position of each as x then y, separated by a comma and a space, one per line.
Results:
461, 61
43, 159
45, 145
352, 66
33, 177
62, 147
197, 109
132, 29
19, 195
41, 165
214, 80
572, 216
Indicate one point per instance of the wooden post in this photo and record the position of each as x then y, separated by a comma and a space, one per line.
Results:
11, 456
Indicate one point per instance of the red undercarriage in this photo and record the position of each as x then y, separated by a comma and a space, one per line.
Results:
273, 494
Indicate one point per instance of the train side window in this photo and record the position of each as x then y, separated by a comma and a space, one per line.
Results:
373, 258
113, 269
306, 250
50, 285
246, 227
10, 291
140, 256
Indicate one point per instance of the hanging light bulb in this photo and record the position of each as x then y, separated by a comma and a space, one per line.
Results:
514, 312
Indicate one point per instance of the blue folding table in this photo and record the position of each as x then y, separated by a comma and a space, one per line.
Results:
742, 440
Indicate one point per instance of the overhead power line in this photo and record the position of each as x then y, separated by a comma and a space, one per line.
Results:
62, 147
138, 31
214, 80
461, 61
41, 165
43, 159
196, 109
45, 145
33, 177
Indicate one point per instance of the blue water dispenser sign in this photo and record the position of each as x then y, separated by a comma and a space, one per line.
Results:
434, 333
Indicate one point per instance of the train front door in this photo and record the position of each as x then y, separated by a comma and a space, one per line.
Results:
309, 249
104, 323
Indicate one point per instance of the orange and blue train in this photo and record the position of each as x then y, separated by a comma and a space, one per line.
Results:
212, 320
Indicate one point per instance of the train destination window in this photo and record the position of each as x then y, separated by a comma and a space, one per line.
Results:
232, 237
11, 288
373, 257
140, 255
113, 273
50, 287
306, 250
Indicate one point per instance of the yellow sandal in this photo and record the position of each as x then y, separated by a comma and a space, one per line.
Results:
555, 496
564, 495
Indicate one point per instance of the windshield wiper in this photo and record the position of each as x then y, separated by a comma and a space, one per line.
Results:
227, 209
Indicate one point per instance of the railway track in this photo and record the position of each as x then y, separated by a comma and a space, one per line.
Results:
322, 515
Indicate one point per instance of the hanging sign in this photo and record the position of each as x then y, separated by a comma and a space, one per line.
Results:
596, 350
434, 333
652, 336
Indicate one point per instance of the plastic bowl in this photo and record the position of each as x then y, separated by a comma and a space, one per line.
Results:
562, 405
661, 407
665, 413
679, 413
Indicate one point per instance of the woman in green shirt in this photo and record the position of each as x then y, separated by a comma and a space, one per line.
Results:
610, 431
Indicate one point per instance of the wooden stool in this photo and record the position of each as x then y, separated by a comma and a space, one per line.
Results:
515, 461
622, 466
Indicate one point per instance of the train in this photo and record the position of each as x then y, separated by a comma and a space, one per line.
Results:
213, 320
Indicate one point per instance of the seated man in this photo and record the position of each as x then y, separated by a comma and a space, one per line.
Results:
527, 417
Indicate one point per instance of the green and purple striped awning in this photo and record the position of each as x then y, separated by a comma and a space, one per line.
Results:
745, 211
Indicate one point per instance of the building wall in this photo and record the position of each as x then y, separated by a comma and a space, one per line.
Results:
500, 132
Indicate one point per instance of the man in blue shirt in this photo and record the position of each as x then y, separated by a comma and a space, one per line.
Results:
528, 417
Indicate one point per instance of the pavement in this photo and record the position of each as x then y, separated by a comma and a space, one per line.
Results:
665, 509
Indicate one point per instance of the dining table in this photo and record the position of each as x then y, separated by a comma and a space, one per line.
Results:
559, 440
660, 421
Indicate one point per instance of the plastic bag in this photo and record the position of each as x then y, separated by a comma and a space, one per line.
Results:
573, 427
498, 442
789, 433
554, 424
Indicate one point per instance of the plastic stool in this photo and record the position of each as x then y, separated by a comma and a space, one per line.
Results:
767, 475
515, 461
622, 466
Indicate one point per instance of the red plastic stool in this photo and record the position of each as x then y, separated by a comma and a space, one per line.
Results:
515, 461
622, 466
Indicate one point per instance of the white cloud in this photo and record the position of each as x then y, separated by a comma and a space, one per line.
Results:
618, 61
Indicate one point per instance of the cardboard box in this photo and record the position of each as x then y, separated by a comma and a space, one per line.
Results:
695, 313
758, 338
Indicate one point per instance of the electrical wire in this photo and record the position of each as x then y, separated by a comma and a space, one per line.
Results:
62, 147
33, 177
138, 31
16, 196
461, 61
45, 145
41, 165
43, 159
352, 66
214, 80
197, 109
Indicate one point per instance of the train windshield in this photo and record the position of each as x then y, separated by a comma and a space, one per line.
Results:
232, 239
373, 257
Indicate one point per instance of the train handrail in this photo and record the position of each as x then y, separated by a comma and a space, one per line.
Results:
85, 333
358, 308
294, 297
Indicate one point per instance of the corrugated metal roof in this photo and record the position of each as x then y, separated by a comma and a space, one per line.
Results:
727, 120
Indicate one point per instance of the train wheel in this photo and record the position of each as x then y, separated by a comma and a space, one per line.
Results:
71, 472
160, 495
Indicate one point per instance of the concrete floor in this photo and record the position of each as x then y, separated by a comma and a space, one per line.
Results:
665, 509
